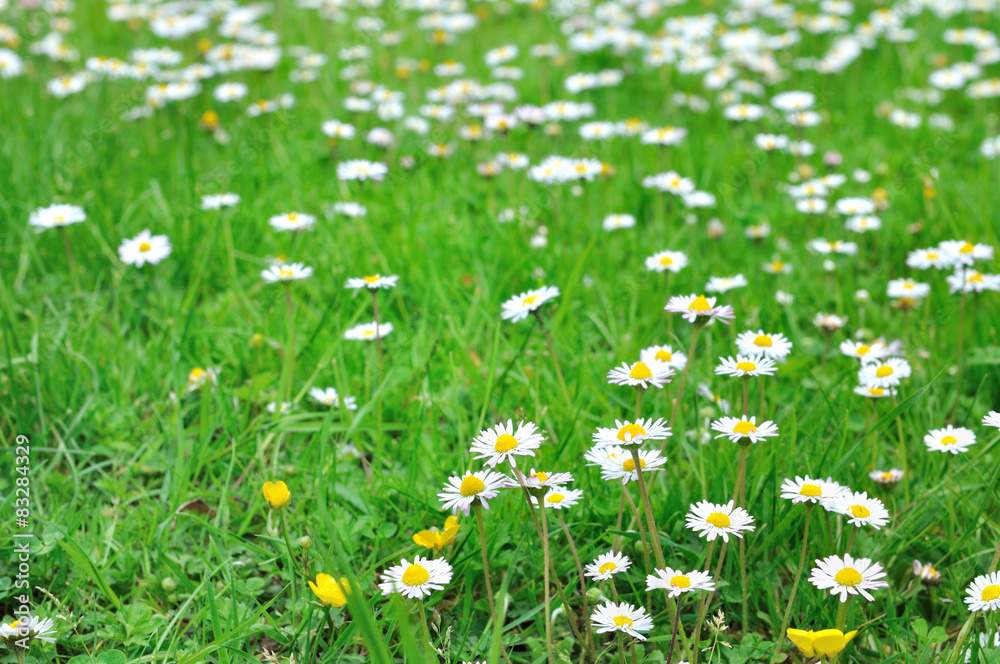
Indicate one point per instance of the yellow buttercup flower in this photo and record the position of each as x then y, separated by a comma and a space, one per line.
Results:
824, 643
329, 591
276, 494
438, 539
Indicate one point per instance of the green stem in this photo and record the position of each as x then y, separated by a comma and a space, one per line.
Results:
549, 648
74, 273
286, 392
477, 507
579, 571
695, 333
292, 563
426, 631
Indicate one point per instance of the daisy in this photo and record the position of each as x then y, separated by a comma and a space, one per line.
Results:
616, 221
336, 129
761, 343
292, 221
368, 331
886, 372
641, 375
599, 454
808, 490
623, 468
928, 575
848, 576
24, 631
667, 261
965, 253
992, 420
676, 360
889, 477
372, 282
56, 216
745, 365
631, 433
861, 510
460, 493
219, 201
362, 170
984, 593
198, 378
144, 248
283, 272
972, 281
676, 582
705, 390
329, 397
623, 618
281, 408
777, 267
417, 579
607, 565
922, 259
955, 440
699, 309
861, 350
504, 443
537, 480
711, 520
742, 429
559, 498
518, 307
725, 284
829, 322
874, 392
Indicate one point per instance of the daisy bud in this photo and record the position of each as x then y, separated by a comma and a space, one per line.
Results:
168, 585
305, 542
594, 595
257, 341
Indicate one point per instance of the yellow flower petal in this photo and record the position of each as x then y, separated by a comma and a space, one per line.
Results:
830, 642
802, 639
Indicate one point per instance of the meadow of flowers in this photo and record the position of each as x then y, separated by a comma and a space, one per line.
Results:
500, 331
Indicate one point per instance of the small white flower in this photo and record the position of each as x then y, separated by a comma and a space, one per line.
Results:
518, 307
623, 618
848, 576
953, 440
711, 520
418, 579
144, 248
607, 565
984, 593
368, 331
676, 582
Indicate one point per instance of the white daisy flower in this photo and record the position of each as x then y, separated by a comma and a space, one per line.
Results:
928, 575
746, 365
559, 498
598, 455
761, 343
219, 201
725, 284
503, 443
861, 510
741, 429
641, 375
362, 170
862, 350
965, 253
607, 565
292, 221
616, 221
829, 322
992, 420
329, 397
144, 248
807, 490
711, 520
631, 433
889, 477
623, 467
666, 354
972, 281
954, 440
282, 407
286, 272
417, 579
198, 378
676, 582
667, 261
461, 492
518, 307
874, 392
31, 628
56, 216
887, 372
368, 331
984, 593
699, 309
622, 617
536, 480
922, 259
372, 282
848, 576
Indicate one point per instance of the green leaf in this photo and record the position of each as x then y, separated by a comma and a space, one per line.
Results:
920, 628
937, 635
112, 657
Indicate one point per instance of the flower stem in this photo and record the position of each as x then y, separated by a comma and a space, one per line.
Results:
292, 562
549, 648
779, 635
961, 338
286, 388
579, 571
426, 631
477, 507
673, 636
70, 258
902, 453
695, 333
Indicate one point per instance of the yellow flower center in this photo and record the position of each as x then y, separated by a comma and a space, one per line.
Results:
864, 349
505, 443
848, 577
680, 581
886, 476
59, 219
700, 304
530, 299
976, 277
607, 567
664, 356
293, 216
746, 366
144, 247
629, 465
949, 440
554, 498
883, 371
415, 575
666, 260
640, 371
285, 272
966, 248
630, 432
719, 520
860, 511
372, 278
368, 333
777, 266
763, 340
810, 490
743, 427
990, 593
471, 486
623, 621
932, 255
876, 391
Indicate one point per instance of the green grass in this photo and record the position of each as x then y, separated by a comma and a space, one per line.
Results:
131, 564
